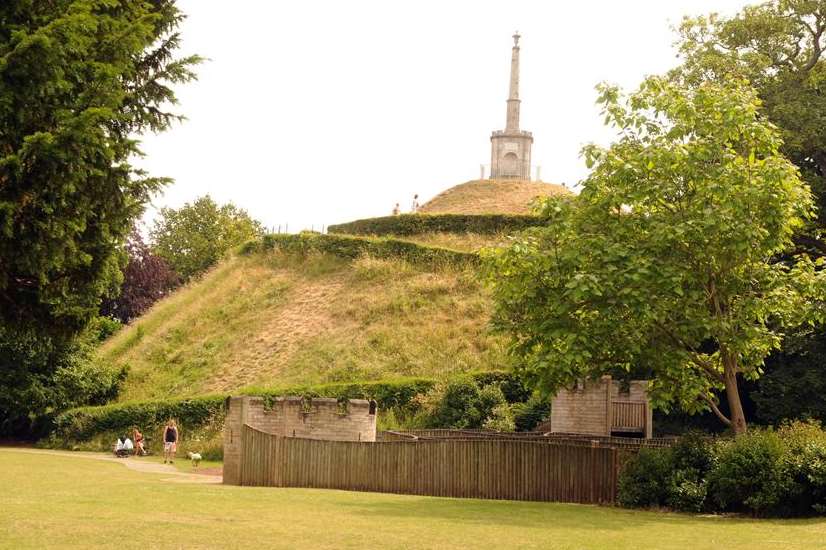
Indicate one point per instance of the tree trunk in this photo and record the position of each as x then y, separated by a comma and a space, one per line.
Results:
738, 419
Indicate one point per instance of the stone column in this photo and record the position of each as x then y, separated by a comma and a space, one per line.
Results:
512, 122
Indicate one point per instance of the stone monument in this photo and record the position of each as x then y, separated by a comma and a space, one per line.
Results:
510, 151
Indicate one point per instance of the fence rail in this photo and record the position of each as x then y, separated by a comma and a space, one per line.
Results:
560, 437
480, 467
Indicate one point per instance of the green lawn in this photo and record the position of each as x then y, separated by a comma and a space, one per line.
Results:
75, 502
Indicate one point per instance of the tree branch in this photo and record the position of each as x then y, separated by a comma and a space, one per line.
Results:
716, 410
710, 371
817, 48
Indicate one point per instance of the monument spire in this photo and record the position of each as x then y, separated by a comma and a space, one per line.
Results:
510, 149
512, 122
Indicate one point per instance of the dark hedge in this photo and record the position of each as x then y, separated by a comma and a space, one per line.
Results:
353, 247
415, 224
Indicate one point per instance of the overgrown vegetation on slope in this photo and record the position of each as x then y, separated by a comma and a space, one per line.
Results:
272, 318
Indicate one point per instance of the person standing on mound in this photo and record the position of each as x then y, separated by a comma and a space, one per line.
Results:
170, 441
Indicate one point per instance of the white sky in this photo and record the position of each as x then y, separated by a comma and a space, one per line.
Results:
311, 113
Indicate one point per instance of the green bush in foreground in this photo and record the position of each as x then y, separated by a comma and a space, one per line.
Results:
417, 224
764, 473
643, 481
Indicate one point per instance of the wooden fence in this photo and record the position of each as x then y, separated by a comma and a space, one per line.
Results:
494, 468
628, 415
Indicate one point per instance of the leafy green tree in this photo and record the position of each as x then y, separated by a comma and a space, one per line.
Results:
194, 237
40, 375
779, 47
664, 261
79, 80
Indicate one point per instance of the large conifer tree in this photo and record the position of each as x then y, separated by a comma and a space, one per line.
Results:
79, 80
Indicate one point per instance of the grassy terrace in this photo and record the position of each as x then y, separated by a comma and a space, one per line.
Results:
75, 502
269, 320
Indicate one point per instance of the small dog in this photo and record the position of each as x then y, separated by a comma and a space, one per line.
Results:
195, 458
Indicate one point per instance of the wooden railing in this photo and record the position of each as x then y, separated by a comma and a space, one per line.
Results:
633, 443
628, 416
478, 468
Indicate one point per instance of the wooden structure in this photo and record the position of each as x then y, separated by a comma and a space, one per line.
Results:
495, 467
604, 407
318, 418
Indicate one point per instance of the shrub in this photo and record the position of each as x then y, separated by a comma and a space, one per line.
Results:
102, 327
692, 457
461, 404
644, 479
764, 472
805, 461
685, 493
749, 474
693, 452
530, 414
511, 384
674, 477
416, 224
500, 419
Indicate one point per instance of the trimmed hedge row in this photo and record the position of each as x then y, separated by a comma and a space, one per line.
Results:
354, 247
415, 224
84, 423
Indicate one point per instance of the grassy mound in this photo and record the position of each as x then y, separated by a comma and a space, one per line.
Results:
271, 319
490, 197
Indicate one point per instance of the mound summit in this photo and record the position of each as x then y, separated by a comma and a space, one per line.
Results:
491, 197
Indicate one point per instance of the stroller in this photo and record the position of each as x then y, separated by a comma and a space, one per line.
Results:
123, 448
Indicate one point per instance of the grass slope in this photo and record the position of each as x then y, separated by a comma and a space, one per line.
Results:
490, 197
465, 242
74, 502
271, 319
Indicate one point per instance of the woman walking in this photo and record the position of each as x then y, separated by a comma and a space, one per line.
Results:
170, 441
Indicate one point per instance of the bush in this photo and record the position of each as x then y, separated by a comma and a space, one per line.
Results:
355, 247
685, 493
530, 414
692, 457
749, 474
805, 462
416, 224
644, 478
500, 419
764, 472
102, 327
462, 404
674, 477
511, 384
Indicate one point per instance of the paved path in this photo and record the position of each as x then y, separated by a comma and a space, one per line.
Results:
137, 464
